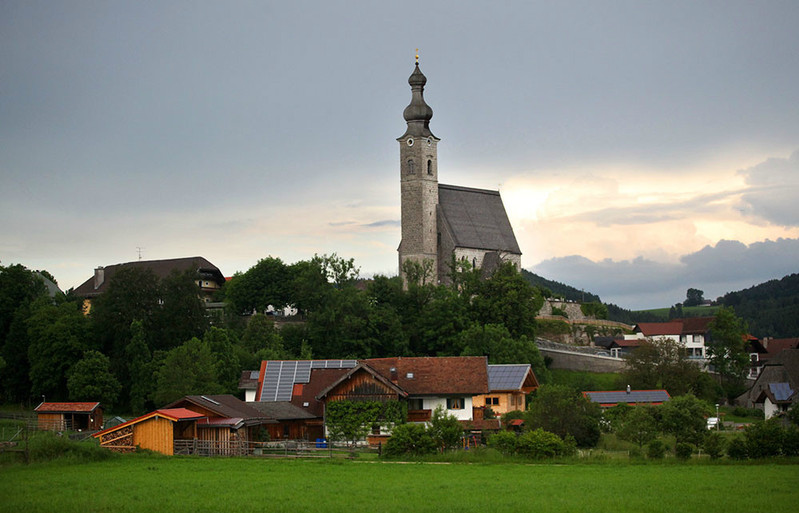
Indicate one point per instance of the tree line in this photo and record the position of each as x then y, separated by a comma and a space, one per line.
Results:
147, 340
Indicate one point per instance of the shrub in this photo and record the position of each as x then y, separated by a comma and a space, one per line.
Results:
656, 449
504, 442
49, 446
736, 449
540, 444
714, 445
409, 439
764, 439
684, 450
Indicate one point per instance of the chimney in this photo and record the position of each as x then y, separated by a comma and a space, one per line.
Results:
99, 277
628, 389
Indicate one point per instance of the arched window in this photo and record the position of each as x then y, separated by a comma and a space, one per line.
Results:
429, 167
410, 167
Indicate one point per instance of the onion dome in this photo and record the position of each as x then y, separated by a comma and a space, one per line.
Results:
417, 114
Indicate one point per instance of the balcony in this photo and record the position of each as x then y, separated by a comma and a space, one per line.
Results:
419, 415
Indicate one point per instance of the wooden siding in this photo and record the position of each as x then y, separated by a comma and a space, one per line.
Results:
155, 434
362, 387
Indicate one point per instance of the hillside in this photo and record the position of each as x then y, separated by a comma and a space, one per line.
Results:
771, 308
560, 289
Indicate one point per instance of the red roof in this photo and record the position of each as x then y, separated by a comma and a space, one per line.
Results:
66, 407
657, 329
448, 375
173, 414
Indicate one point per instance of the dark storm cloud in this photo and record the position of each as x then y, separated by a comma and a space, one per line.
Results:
643, 283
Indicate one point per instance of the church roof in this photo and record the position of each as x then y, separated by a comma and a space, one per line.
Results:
477, 218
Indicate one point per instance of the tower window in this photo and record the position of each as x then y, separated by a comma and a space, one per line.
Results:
410, 167
429, 167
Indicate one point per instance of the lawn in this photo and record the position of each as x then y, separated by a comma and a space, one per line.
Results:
149, 483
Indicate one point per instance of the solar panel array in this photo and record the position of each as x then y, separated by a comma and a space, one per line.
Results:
281, 375
506, 377
781, 391
634, 396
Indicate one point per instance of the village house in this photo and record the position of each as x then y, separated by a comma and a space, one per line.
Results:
209, 278
295, 392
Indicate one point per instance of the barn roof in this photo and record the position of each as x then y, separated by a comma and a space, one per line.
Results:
67, 407
476, 218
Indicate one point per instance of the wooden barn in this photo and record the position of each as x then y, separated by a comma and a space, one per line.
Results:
226, 418
69, 416
157, 431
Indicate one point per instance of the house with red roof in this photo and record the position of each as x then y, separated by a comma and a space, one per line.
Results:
692, 333
296, 392
75, 416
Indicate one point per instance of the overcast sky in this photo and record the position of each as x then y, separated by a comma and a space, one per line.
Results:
641, 148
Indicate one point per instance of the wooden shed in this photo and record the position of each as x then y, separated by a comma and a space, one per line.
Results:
69, 416
157, 431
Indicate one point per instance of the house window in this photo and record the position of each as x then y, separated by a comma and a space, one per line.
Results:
415, 404
455, 403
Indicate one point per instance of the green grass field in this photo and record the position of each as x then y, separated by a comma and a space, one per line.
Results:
151, 483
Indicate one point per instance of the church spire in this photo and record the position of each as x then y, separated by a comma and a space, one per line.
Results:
417, 114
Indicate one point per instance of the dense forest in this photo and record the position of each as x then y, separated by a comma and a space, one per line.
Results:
771, 309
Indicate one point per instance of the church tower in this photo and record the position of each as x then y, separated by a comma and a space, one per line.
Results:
419, 183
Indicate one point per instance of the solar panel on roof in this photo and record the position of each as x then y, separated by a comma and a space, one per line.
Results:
280, 376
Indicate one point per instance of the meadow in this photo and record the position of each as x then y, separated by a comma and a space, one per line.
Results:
154, 483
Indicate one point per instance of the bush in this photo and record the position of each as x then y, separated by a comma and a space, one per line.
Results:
736, 449
504, 442
409, 439
656, 449
684, 450
764, 439
540, 444
714, 445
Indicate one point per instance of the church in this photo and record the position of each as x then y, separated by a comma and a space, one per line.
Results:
441, 221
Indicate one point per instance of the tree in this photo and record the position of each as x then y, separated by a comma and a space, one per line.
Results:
662, 363
58, 335
726, 350
684, 417
140, 369
19, 287
694, 297
267, 283
564, 411
90, 379
639, 426
445, 429
187, 369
